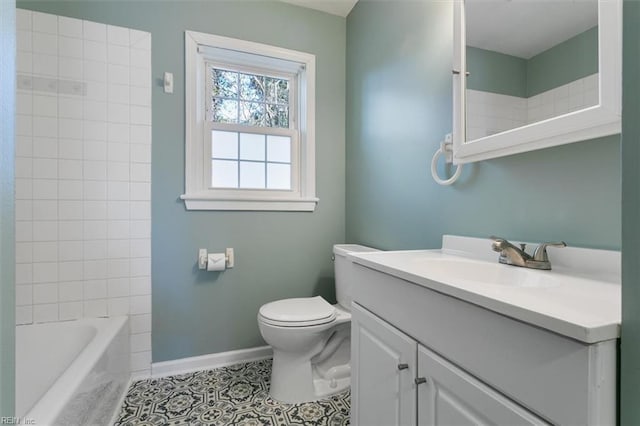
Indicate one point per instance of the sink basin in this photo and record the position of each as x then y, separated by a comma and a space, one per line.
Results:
471, 271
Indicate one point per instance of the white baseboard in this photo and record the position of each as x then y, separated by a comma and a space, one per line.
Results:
210, 361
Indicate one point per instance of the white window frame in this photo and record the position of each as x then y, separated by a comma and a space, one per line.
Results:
200, 49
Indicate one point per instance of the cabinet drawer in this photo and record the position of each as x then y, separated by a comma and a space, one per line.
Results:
560, 379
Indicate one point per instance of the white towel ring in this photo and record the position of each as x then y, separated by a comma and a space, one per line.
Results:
434, 167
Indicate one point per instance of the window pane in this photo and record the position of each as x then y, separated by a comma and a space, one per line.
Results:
251, 175
276, 90
251, 113
224, 144
278, 176
251, 147
225, 111
277, 116
279, 149
224, 174
225, 83
251, 87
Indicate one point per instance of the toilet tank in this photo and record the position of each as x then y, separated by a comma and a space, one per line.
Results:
342, 269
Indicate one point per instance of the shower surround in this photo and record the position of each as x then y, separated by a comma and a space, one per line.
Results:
83, 175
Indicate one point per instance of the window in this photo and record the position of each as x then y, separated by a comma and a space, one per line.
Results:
249, 126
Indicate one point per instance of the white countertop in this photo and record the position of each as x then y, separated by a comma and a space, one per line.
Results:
580, 298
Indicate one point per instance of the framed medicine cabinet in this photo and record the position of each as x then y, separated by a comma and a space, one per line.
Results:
534, 74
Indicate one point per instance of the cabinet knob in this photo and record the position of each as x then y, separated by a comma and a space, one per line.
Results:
420, 380
403, 366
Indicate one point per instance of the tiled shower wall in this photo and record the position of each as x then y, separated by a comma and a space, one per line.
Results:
490, 113
83, 173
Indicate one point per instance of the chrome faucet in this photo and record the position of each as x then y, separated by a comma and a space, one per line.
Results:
512, 255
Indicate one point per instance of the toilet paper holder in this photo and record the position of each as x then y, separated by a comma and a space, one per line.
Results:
203, 256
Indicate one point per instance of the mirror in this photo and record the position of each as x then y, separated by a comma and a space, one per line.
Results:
529, 74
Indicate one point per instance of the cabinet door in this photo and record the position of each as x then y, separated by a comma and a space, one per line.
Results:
383, 366
450, 396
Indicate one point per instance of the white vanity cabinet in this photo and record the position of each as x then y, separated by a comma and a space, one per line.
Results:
401, 382
479, 366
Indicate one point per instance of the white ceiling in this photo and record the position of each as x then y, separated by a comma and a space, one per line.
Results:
524, 28
334, 7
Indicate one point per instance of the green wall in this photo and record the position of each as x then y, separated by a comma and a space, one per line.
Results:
495, 72
630, 346
563, 63
7, 254
398, 109
278, 254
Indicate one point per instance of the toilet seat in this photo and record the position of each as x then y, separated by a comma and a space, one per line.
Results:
298, 312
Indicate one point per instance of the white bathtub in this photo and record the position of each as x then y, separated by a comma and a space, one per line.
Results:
73, 372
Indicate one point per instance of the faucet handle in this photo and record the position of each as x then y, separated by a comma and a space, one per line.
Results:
540, 253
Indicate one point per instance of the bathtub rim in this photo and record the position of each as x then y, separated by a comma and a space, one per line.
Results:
49, 407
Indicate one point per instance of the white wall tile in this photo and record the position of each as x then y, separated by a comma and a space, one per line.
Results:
118, 249
140, 360
140, 323
45, 22
118, 35
140, 229
24, 315
95, 51
24, 231
45, 65
95, 289
70, 190
45, 231
45, 209
45, 293
24, 19
45, 189
118, 229
74, 256
140, 286
70, 271
70, 48
118, 210
44, 272
95, 190
70, 230
69, 149
140, 342
44, 43
70, 27
140, 305
24, 295
70, 291
118, 306
119, 171
95, 170
24, 252
24, 209
118, 287
118, 55
94, 229
70, 250
45, 313
45, 252
70, 311
95, 31
95, 308
95, 249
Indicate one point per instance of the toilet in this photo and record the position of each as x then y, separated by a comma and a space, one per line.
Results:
311, 338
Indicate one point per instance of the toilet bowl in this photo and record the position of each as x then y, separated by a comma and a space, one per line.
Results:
311, 339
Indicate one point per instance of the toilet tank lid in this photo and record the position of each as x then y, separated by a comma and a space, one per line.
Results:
301, 309
344, 249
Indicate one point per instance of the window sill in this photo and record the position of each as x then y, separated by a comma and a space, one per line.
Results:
200, 202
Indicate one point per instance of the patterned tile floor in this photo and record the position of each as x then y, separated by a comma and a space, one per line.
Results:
234, 395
